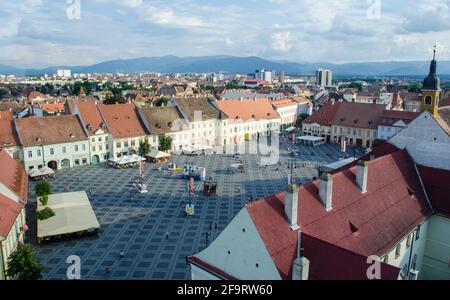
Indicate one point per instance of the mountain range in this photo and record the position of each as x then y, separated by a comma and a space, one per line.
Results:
233, 64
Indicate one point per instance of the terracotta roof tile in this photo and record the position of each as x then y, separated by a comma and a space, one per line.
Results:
325, 115
8, 135
49, 130
122, 120
91, 117
13, 176
436, 182
359, 115
52, 107
162, 119
390, 117
259, 109
9, 211
383, 215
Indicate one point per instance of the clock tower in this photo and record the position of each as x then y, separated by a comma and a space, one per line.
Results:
431, 89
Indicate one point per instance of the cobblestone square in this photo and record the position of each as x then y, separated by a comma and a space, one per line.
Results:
140, 226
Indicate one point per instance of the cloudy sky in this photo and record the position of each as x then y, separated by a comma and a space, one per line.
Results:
38, 33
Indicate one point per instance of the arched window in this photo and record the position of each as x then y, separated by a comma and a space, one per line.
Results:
428, 100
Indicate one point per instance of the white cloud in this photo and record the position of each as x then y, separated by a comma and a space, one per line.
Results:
281, 41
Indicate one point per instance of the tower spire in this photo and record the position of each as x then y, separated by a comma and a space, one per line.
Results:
434, 52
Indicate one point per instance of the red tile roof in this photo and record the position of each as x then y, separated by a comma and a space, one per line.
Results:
393, 206
9, 211
52, 107
8, 135
13, 176
331, 262
359, 115
204, 265
437, 186
390, 117
122, 120
325, 115
91, 117
50, 130
444, 102
259, 109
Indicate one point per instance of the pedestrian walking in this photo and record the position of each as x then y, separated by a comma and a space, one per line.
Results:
167, 235
122, 253
108, 272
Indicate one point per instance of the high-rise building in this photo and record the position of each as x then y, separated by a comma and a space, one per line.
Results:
266, 75
63, 73
324, 77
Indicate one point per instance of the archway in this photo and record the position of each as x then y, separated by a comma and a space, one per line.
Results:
95, 159
65, 164
52, 165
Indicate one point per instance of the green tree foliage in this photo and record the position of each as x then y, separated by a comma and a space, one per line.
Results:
301, 118
45, 213
415, 87
165, 142
144, 147
162, 101
22, 264
356, 85
43, 188
44, 199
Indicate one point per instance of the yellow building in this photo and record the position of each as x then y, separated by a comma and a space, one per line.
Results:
431, 89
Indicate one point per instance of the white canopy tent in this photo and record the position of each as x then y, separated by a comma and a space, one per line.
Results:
290, 129
45, 171
311, 140
73, 213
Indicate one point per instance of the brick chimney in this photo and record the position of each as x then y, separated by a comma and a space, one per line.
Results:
300, 266
362, 171
291, 205
326, 190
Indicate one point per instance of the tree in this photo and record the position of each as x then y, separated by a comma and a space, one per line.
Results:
144, 147
162, 101
165, 142
23, 264
415, 88
356, 85
43, 188
301, 118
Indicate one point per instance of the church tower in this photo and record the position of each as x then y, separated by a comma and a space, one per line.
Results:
431, 89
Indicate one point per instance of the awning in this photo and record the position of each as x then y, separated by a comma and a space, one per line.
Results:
290, 129
73, 213
45, 171
156, 154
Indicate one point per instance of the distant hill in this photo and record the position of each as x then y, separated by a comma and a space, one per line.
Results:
232, 64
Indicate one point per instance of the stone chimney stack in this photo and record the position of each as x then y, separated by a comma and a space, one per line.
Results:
300, 266
362, 171
326, 190
291, 205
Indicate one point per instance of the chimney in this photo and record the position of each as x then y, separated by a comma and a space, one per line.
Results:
326, 190
291, 205
362, 171
300, 267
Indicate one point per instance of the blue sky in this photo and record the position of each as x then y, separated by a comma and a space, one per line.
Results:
38, 33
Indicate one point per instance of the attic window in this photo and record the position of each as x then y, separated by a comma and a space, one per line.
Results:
169, 124
356, 121
410, 192
158, 125
342, 119
370, 122
353, 228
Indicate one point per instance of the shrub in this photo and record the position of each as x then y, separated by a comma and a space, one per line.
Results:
43, 188
23, 265
44, 199
45, 213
